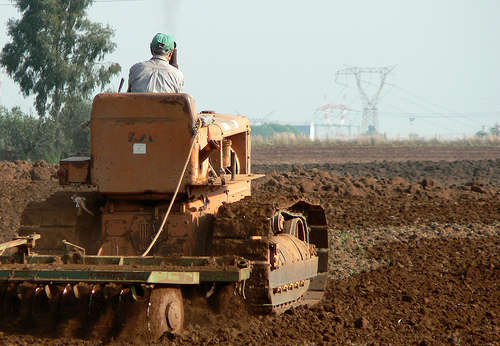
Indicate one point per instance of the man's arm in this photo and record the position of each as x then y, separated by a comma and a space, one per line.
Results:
179, 81
173, 59
129, 89
131, 77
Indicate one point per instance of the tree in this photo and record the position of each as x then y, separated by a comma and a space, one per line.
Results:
75, 113
495, 130
56, 53
268, 130
25, 137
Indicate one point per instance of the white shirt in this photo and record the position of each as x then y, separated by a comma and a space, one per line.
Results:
155, 75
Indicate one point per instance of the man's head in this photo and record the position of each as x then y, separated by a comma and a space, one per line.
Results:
163, 45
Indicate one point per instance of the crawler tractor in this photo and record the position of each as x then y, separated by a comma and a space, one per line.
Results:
159, 211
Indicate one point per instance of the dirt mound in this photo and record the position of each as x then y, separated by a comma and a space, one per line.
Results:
346, 153
368, 201
15, 196
22, 182
428, 292
27, 171
455, 172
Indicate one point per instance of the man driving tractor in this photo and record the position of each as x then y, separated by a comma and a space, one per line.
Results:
160, 73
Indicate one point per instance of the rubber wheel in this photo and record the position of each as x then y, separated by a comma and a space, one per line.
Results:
166, 312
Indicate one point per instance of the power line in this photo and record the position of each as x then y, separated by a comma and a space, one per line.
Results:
369, 120
430, 124
465, 118
13, 4
442, 115
429, 114
419, 97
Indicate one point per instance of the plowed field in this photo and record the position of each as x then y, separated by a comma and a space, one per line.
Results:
414, 245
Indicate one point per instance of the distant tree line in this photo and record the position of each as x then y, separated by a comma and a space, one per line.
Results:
493, 131
56, 54
268, 130
28, 137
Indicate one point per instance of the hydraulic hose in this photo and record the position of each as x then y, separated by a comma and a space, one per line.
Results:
160, 230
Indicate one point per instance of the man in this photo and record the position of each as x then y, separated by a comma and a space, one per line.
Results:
156, 74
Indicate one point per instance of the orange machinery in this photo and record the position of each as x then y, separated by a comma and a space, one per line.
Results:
147, 216
148, 147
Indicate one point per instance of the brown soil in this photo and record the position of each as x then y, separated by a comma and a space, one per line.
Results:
307, 154
26, 171
368, 201
20, 183
449, 172
440, 291
414, 251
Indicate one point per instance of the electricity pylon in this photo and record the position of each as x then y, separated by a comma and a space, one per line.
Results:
369, 120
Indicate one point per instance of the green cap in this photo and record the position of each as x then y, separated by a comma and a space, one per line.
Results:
164, 41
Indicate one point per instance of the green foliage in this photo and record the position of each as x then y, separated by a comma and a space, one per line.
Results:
77, 137
269, 130
495, 130
481, 134
56, 52
25, 137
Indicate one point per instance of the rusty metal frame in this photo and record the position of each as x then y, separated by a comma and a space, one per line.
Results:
121, 269
125, 276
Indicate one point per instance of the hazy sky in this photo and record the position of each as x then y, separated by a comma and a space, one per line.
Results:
279, 58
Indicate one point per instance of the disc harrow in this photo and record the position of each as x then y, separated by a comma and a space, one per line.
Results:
103, 296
